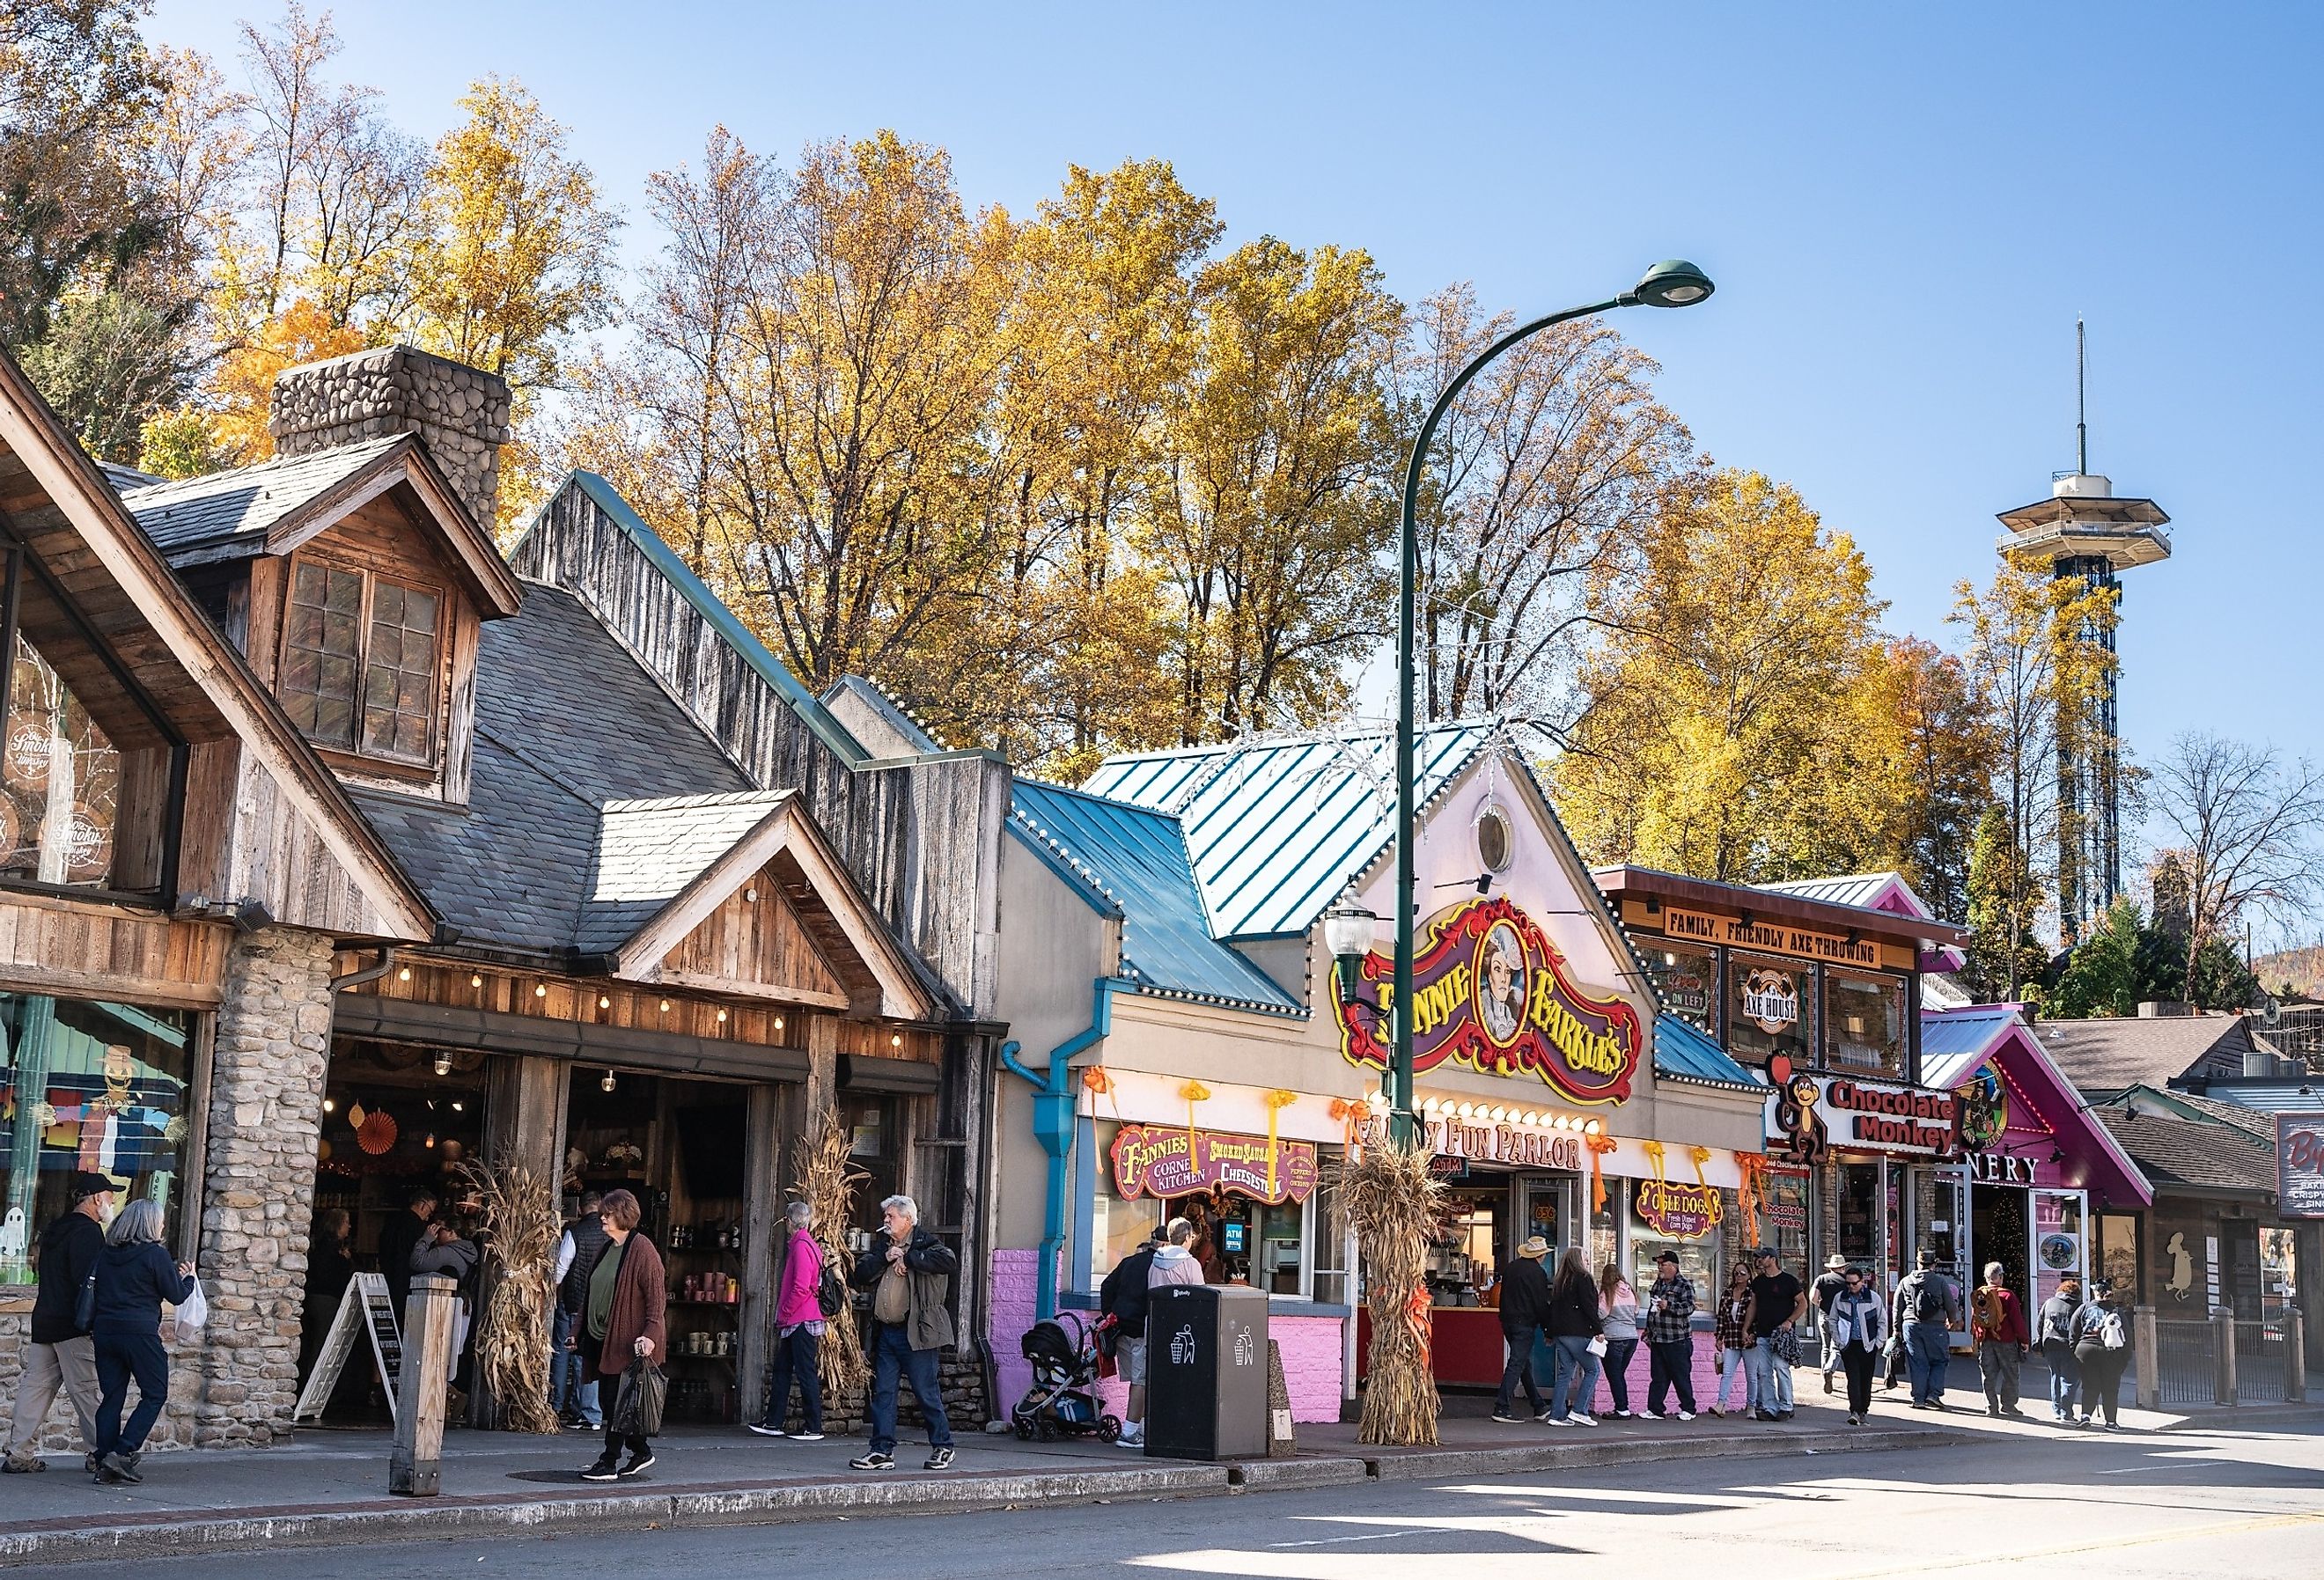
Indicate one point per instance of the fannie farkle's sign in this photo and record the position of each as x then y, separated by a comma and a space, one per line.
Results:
1490, 992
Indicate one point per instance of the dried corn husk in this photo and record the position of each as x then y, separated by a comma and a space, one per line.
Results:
826, 1183
520, 1226
1392, 1199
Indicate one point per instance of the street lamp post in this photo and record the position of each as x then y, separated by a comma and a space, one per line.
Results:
1672, 283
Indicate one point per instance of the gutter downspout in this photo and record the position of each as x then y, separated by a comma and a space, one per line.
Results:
1053, 1127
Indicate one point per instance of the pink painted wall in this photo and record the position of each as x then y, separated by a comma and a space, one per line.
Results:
1310, 1346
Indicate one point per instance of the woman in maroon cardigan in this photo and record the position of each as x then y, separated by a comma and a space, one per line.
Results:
621, 1318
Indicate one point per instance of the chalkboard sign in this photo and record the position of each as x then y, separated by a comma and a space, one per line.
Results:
364, 1308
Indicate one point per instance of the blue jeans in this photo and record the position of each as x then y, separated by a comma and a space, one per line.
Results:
795, 1359
120, 1356
1517, 1369
568, 1388
891, 1354
1572, 1363
1736, 1374
1771, 1379
1617, 1365
2065, 1376
1929, 1353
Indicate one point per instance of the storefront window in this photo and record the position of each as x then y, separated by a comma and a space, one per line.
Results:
1766, 1007
1465, 1252
62, 782
2119, 1252
1687, 977
871, 1147
1864, 1023
1238, 1238
95, 1086
1859, 1200
2058, 1247
1785, 1224
1328, 1239
1698, 1257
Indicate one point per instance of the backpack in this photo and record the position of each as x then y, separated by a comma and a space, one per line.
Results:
1928, 1299
830, 1293
2111, 1335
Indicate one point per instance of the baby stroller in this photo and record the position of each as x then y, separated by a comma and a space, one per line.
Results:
1061, 1402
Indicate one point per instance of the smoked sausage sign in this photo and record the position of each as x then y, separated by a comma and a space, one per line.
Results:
1490, 992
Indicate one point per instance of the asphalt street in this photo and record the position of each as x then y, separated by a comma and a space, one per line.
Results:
2223, 1501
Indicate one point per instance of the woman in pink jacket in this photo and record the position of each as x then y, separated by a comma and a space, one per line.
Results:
798, 1333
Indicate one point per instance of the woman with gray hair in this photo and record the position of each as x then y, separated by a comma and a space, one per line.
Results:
800, 1318
134, 1278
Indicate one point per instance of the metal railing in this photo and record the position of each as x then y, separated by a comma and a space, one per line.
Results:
2221, 1362
2186, 1364
2261, 1367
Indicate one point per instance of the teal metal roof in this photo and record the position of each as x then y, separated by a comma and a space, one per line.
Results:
1276, 829
1134, 860
1684, 1049
1953, 1041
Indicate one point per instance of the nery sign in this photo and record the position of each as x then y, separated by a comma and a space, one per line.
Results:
1489, 991
1150, 1160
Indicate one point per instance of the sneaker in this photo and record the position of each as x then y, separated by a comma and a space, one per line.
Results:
606, 1469
875, 1460
1582, 1419
1936, 1404
1624, 1416
1550, 1420
1659, 1415
88, 1462
1689, 1415
123, 1467
1782, 1415
24, 1466
765, 1430
806, 1437
1132, 1438
1503, 1417
1994, 1410
2114, 1426
939, 1458
1715, 1413
1764, 1415
642, 1460
2085, 1420
1854, 1421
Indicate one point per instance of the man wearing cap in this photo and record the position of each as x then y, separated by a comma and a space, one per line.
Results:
1828, 1287
60, 1352
1524, 1301
1669, 1326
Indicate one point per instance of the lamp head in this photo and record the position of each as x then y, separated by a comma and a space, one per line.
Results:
1672, 283
1349, 930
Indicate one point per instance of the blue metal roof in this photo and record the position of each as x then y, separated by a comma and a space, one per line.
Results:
1961, 1034
1684, 1048
1276, 829
1136, 859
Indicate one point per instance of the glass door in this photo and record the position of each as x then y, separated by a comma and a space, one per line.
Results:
2061, 1246
1550, 1210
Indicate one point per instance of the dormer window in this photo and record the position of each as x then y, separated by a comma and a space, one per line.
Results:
363, 661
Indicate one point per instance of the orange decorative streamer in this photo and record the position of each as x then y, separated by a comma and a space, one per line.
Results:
1276, 1102
1599, 1145
1752, 1193
1351, 1112
1418, 1313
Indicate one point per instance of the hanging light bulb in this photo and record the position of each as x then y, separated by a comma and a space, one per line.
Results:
607, 1084
778, 1023
329, 1106
431, 1138
405, 974
443, 1064
750, 896
721, 1017
604, 1002
456, 1107
541, 990
897, 1040
665, 1006
475, 979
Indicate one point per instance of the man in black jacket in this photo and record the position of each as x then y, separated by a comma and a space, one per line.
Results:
908, 1271
1524, 1301
1122, 1297
60, 1352
398, 1236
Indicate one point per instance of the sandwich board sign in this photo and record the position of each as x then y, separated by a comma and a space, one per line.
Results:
364, 1308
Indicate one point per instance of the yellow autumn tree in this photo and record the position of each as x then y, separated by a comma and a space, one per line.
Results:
1725, 730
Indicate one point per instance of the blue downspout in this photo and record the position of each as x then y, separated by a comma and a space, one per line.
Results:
1053, 1127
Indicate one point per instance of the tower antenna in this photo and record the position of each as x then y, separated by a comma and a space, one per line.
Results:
2081, 401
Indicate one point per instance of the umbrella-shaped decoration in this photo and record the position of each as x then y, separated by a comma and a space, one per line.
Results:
377, 1133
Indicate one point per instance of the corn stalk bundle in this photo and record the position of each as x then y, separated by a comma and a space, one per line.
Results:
521, 1225
1391, 1198
826, 1183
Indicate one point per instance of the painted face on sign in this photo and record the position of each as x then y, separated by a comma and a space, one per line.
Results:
1501, 1005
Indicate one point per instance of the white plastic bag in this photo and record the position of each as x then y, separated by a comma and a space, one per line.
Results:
192, 1312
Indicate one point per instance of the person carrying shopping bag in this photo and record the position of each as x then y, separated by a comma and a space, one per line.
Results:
134, 1279
1577, 1341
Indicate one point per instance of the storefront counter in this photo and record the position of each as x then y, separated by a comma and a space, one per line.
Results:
1464, 1344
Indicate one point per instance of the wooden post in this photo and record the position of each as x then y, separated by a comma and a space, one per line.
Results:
416, 1464
764, 1237
2146, 1358
2295, 1357
822, 1072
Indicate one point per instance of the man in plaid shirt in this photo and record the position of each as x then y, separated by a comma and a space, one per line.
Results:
1669, 1329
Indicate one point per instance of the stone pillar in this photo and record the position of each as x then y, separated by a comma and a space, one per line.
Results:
461, 414
267, 1067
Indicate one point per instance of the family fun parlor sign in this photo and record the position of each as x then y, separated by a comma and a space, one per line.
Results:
1170, 1161
1490, 992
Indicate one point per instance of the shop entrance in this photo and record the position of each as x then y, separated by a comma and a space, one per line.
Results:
677, 1145
1999, 1231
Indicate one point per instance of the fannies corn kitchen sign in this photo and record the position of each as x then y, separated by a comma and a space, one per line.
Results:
1490, 992
1165, 1161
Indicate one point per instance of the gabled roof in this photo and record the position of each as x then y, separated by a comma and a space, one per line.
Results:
649, 851
2288, 1095
2105, 1056
2258, 1126
1886, 891
1685, 1051
1132, 861
1954, 1042
65, 511
2198, 1152
1275, 829
274, 506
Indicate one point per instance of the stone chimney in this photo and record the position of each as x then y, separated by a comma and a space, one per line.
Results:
460, 413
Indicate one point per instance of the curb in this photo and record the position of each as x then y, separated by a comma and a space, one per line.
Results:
703, 1507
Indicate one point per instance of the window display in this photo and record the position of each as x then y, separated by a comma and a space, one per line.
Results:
1766, 1007
1864, 1023
1687, 978
62, 782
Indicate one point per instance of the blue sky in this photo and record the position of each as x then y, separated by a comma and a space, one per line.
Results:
1905, 213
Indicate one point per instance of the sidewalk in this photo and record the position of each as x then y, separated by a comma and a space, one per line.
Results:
330, 1486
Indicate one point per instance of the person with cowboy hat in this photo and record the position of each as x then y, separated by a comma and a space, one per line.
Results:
1524, 1303
1828, 1286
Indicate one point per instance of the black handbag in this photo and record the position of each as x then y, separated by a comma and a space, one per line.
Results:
84, 1304
637, 1408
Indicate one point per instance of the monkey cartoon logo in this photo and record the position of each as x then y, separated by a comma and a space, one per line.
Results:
1806, 1141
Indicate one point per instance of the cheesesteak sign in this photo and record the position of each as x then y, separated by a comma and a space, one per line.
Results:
1157, 1160
1489, 991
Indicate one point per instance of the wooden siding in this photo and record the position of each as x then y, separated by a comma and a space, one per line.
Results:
754, 940
278, 857
921, 840
68, 946
601, 1000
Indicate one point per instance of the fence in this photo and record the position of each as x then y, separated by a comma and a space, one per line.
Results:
2223, 1361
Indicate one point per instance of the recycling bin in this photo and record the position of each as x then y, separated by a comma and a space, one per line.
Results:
1206, 1373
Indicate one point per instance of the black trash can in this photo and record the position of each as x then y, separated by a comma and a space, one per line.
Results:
1206, 1373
